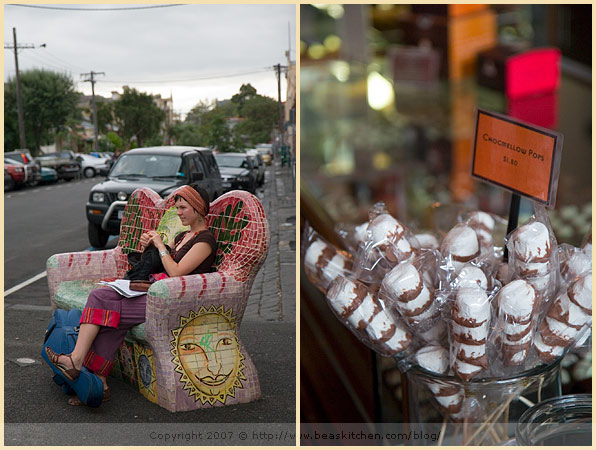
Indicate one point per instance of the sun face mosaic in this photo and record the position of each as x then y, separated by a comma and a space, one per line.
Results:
207, 354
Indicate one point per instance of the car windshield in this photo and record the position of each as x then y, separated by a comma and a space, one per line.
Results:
231, 161
147, 166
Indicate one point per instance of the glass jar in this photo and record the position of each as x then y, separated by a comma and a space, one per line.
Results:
444, 410
559, 421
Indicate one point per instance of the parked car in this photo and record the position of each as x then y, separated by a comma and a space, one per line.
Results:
105, 155
14, 174
260, 166
237, 171
63, 162
31, 167
266, 147
213, 179
48, 175
92, 165
162, 169
266, 155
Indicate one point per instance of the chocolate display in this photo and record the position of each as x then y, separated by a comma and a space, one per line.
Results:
451, 307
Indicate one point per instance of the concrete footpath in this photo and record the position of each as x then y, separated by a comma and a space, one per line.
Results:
36, 412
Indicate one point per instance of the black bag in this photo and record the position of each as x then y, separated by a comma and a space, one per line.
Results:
144, 264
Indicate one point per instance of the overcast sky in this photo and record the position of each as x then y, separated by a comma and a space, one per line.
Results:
194, 52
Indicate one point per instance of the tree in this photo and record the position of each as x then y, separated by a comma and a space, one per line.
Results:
105, 115
245, 93
215, 131
49, 102
260, 116
196, 113
186, 134
138, 116
115, 140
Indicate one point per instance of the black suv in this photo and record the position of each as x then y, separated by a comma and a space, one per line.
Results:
238, 171
162, 169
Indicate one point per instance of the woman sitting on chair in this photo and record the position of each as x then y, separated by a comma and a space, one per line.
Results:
108, 316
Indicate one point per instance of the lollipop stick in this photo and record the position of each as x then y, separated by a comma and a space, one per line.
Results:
496, 413
494, 435
505, 421
442, 434
540, 389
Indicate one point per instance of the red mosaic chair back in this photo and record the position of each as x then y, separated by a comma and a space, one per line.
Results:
238, 221
142, 213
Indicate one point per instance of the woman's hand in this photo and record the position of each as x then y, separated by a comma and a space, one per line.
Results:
145, 240
155, 239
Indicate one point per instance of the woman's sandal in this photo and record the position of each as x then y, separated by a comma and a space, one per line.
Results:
76, 401
70, 373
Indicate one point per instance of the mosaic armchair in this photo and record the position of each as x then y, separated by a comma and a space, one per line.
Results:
188, 353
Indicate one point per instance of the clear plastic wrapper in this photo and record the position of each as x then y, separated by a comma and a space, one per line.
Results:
587, 244
516, 311
449, 398
352, 235
574, 262
427, 240
409, 291
533, 255
568, 320
388, 242
459, 247
322, 261
359, 309
469, 329
489, 228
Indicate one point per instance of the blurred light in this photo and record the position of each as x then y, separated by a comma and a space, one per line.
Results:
385, 7
379, 91
381, 161
316, 51
332, 43
341, 70
335, 11
320, 5
303, 47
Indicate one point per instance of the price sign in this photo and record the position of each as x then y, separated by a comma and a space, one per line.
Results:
517, 156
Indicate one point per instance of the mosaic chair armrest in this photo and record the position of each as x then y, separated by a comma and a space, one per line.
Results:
176, 303
81, 266
167, 298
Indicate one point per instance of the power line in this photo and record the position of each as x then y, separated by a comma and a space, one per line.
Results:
61, 60
61, 8
39, 60
211, 77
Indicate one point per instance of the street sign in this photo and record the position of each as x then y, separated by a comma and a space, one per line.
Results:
517, 156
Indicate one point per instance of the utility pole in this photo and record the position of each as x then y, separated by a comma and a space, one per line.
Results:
93, 81
20, 115
277, 68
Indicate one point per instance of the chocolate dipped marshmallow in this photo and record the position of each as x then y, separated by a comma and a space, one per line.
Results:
470, 316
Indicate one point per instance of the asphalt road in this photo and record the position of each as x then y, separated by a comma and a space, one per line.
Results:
51, 219
42, 221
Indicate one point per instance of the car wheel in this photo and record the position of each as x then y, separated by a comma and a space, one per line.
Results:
98, 238
9, 185
89, 172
